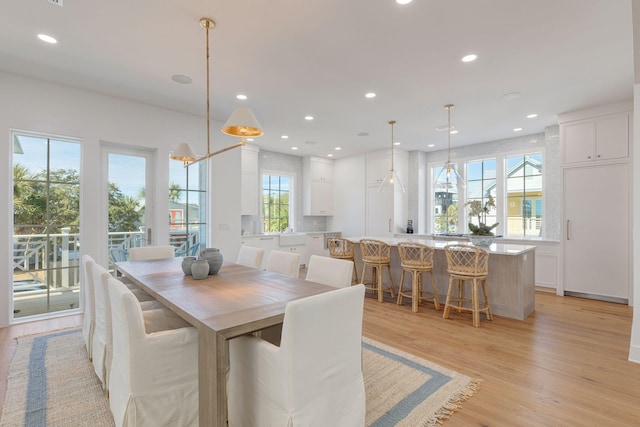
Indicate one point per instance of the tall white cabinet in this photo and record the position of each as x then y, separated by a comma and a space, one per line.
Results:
386, 212
317, 179
596, 242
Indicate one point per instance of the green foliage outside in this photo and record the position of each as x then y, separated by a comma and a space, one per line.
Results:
276, 212
448, 222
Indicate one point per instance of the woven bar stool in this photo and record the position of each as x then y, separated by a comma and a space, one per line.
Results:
343, 249
467, 263
376, 255
416, 259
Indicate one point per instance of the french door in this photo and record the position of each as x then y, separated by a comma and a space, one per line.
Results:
130, 209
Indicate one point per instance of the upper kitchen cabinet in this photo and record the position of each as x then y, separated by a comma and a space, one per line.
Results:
318, 186
596, 139
250, 181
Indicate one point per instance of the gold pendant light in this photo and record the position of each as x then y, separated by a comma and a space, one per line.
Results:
242, 122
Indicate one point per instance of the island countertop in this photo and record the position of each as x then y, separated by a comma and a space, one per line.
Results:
496, 248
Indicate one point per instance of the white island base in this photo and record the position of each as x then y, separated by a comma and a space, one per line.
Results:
510, 283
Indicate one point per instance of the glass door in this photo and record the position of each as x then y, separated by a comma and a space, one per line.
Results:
130, 204
46, 225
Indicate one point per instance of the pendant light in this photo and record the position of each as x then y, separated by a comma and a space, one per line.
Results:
449, 177
392, 181
242, 122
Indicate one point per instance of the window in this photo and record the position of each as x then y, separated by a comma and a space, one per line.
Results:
276, 202
187, 207
524, 195
481, 182
46, 224
514, 181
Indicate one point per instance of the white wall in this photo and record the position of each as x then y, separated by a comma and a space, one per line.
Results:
38, 106
634, 345
349, 190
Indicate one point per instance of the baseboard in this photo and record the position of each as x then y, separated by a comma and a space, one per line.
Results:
546, 289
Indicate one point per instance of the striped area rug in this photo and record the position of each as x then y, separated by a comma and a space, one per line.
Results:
51, 383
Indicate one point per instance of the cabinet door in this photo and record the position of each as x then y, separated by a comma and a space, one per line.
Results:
379, 212
377, 168
321, 198
250, 195
321, 171
596, 230
578, 142
612, 137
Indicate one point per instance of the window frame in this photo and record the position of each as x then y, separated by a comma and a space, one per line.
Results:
292, 186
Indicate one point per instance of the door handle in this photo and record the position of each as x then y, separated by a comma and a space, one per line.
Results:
568, 235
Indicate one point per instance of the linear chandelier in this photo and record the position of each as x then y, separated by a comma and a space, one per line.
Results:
242, 122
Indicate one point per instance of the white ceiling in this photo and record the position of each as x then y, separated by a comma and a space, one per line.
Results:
319, 57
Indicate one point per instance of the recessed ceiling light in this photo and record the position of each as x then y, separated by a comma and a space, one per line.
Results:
182, 79
294, 148
47, 39
284, 136
338, 148
431, 145
469, 58
241, 96
370, 95
453, 132
397, 143
308, 117
403, 1
329, 155
532, 116
510, 96
517, 129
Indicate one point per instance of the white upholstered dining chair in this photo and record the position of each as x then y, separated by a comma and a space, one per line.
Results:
88, 301
330, 271
154, 375
250, 256
151, 252
314, 378
284, 263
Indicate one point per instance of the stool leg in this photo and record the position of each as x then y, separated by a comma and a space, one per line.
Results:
355, 271
474, 303
399, 302
447, 305
460, 293
380, 285
415, 291
436, 303
486, 300
391, 287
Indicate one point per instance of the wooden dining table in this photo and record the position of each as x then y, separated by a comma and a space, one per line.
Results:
236, 301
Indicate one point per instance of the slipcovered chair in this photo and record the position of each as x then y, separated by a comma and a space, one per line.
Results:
151, 252
154, 376
314, 378
156, 316
89, 317
330, 271
284, 263
250, 256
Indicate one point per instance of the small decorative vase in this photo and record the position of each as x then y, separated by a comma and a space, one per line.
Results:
186, 264
214, 257
478, 240
200, 269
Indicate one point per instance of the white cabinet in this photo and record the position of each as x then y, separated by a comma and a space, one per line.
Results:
318, 186
596, 139
315, 245
249, 181
386, 212
596, 245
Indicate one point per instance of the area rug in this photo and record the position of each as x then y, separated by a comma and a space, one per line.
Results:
51, 383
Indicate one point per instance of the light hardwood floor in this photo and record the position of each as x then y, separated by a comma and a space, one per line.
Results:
565, 365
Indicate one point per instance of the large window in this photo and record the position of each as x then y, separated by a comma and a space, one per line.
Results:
515, 182
524, 195
187, 207
481, 183
276, 202
46, 224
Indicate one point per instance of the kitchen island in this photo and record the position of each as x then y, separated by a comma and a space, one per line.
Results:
510, 283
